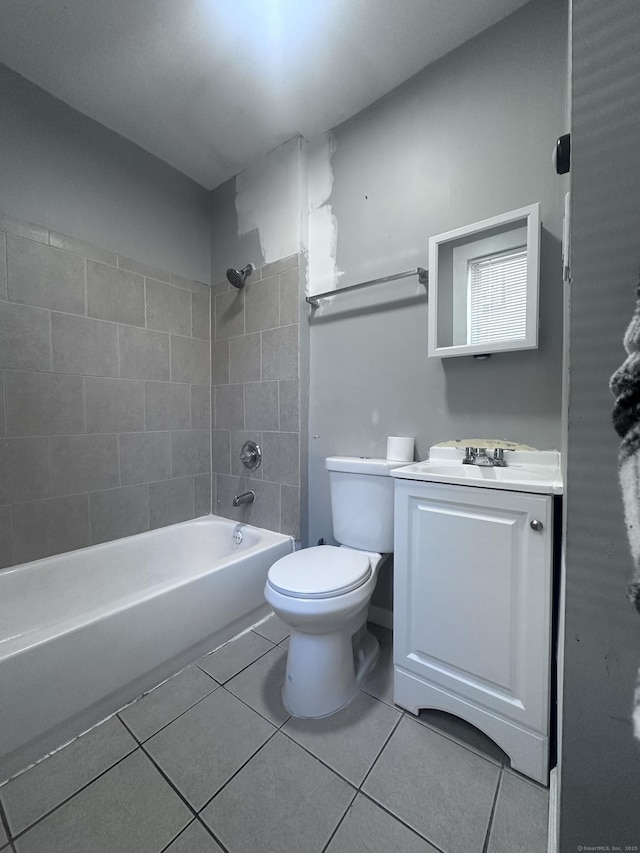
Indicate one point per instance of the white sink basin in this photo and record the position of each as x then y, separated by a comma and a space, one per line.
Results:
526, 471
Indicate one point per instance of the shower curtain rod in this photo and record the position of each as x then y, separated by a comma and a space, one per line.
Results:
422, 274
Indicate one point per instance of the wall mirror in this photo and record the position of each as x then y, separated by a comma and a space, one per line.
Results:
483, 286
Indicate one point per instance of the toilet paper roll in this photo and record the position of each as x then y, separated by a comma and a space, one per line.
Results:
400, 448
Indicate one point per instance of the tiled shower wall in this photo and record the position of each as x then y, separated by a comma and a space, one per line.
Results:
255, 383
104, 395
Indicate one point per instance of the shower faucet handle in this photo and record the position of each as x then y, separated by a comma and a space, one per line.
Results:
251, 455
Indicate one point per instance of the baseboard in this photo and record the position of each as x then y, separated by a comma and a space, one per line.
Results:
552, 835
381, 616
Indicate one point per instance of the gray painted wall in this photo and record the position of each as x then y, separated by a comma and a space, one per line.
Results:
228, 249
468, 138
600, 764
65, 171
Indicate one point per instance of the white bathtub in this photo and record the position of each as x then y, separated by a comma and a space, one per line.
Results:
83, 633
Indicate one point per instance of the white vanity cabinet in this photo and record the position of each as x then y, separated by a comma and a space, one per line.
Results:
472, 611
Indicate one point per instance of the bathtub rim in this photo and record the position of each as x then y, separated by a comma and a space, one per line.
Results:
18, 643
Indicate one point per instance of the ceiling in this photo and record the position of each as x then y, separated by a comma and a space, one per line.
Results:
210, 86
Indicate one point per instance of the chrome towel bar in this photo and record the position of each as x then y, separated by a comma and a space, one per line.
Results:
423, 278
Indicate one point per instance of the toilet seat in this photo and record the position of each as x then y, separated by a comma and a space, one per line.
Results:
324, 571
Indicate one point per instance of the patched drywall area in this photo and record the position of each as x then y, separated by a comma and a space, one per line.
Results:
228, 250
322, 223
268, 201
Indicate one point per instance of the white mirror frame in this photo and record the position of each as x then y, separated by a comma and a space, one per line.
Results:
530, 214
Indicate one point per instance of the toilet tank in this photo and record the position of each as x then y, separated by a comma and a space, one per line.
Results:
362, 501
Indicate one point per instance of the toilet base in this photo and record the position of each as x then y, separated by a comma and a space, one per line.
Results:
325, 671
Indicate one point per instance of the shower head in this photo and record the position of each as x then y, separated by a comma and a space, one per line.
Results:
238, 277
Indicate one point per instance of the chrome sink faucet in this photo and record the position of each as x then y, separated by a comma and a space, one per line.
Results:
480, 456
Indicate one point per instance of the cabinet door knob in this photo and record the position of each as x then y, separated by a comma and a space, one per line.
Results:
536, 525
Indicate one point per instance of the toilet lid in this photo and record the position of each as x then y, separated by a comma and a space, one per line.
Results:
320, 572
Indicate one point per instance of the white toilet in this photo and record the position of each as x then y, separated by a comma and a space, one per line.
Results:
322, 593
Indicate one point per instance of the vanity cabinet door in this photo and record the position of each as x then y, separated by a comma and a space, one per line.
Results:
472, 604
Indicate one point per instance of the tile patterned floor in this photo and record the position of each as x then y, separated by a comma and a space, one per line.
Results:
210, 761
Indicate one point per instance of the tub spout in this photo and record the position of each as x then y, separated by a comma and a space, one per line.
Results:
245, 498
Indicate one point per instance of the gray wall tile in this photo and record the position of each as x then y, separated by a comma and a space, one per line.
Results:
281, 457
280, 353
189, 283
6, 537
119, 512
280, 266
226, 488
290, 511
237, 439
167, 405
201, 494
220, 362
168, 308
79, 247
262, 305
3, 265
144, 354
261, 406
143, 269
25, 337
229, 405
270, 400
170, 502
44, 404
220, 451
83, 463
214, 492
244, 358
200, 407
43, 528
25, 465
24, 229
114, 294
45, 276
289, 303
224, 286
144, 457
84, 345
229, 314
200, 315
190, 452
190, 360
289, 405
263, 512
59, 273
114, 405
